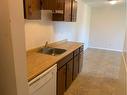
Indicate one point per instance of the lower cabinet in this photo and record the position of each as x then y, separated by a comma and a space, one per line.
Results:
81, 61
61, 80
76, 67
69, 76
68, 69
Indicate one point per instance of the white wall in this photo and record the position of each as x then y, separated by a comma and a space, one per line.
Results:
83, 24
107, 27
37, 32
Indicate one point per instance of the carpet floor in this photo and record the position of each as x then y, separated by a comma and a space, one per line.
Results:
99, 75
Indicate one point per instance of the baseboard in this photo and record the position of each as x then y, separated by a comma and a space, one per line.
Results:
105, 49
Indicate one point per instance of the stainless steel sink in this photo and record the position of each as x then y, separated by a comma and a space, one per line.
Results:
52, 51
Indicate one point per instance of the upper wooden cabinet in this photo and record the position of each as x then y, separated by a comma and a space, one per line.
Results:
32, 9
74, 11
69, 12
63, 10
52, 4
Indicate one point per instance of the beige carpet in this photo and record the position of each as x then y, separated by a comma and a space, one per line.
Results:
99, 75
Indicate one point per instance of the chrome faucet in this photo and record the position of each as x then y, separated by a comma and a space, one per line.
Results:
46, 44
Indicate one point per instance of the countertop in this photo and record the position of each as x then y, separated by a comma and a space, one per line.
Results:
37, 63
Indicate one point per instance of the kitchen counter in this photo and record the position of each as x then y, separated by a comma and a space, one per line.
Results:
37, 63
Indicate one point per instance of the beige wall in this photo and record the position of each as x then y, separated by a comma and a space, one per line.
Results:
107, 27
38, 32
7, 80
13, 78
123, 71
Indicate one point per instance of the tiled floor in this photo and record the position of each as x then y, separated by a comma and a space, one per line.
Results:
99, 75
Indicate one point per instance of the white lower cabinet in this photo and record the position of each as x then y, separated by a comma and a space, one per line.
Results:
44, 84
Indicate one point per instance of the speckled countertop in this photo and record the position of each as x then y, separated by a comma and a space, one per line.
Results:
37, 63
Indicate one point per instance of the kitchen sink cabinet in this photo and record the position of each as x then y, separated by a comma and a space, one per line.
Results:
64, 74
32, 9
68, 69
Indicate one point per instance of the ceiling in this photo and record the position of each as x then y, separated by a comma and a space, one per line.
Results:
100, 2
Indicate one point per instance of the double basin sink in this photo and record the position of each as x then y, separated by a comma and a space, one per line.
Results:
52, 51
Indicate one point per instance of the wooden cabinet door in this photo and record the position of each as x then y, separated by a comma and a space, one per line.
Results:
68, 10
60, 5
69, 76
48, 4
32, 9
53, 4
74, 11
76, 66
81, 61
61, 80
63, 10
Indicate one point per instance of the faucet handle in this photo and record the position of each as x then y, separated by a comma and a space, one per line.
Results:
46, 44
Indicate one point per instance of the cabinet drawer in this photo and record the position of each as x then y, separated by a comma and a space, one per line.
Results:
64, 60
76, 52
